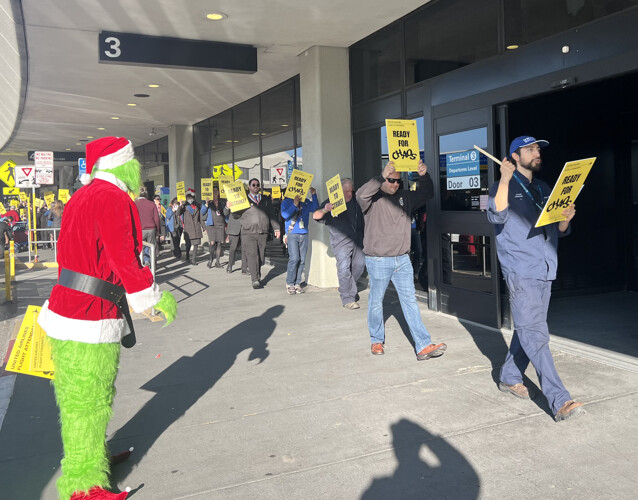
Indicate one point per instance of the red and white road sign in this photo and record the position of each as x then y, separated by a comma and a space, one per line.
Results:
24, 175
43, 167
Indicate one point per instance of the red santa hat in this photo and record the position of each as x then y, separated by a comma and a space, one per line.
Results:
190, 192
105, 154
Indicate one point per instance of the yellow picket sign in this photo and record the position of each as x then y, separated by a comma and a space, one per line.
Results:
236, 195
49, 198
335, 195
2, 209
566, 190
38, 203
223, 180
163, 210
299, 184
63, 195
180, 188
276, 192
403, 144
207, 189
31, 354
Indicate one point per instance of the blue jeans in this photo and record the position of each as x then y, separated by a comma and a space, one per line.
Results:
382, 270
350, 266
529, 302
297, 249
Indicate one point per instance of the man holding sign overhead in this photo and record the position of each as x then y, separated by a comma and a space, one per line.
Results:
386, 245
528, 259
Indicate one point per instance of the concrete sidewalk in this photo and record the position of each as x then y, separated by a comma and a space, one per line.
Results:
257, 394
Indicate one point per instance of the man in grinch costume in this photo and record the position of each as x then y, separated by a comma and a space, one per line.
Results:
87, 315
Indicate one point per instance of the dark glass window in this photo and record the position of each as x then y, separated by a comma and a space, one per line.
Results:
375, 65
465, 260
448, 35
527, 21
366, 150
277, 119
221, 138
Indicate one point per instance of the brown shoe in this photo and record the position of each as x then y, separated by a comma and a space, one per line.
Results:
431, 351
518, 390
377, 348
351, 305
569, 410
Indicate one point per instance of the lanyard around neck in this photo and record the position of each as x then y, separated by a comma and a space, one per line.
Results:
520, 182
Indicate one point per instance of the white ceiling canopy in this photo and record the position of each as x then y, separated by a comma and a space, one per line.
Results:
70, 95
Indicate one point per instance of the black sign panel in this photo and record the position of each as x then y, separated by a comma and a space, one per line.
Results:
146, 50
61, 156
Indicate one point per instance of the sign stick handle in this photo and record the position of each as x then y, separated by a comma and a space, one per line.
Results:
488, 155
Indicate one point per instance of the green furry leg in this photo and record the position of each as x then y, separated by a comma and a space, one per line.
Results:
84, 389
167, 305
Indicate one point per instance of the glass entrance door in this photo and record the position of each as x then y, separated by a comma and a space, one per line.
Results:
465, 272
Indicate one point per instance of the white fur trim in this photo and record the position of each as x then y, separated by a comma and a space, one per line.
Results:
59, 327
85, 179
105, 176
117, 159
144, 299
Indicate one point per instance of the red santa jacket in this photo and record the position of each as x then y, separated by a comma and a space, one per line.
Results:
100, 236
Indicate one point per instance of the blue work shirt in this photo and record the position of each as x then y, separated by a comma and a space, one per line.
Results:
288, 210
523, 249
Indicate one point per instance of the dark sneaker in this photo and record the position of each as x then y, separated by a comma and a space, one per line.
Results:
569, 410
431, 351
290, 289
352, 305
377, 348
518, 390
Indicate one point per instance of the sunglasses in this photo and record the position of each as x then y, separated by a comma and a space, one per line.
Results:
254, 185
392, 181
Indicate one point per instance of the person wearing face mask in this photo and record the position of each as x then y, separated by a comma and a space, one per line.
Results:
192, 226
387, 212
174, 227
255, 225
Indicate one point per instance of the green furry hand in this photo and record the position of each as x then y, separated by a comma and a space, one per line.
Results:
167, 305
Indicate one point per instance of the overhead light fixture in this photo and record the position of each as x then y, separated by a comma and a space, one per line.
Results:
101, 128
115, 117
153, 131
131, 104
68, 149
285, 125
152, 85
512, 47
89, 137
216, 16
78, 143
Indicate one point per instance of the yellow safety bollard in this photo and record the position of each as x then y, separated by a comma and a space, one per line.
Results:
7, 276
12, 259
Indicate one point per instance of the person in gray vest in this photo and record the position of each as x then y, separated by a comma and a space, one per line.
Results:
346, 241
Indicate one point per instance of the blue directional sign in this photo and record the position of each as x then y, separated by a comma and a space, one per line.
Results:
463, 170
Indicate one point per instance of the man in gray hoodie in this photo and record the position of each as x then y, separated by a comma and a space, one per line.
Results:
386, 244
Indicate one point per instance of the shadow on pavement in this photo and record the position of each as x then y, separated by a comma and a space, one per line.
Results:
444, 474
183, 383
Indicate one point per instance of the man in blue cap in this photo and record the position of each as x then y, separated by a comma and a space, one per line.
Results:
529, 260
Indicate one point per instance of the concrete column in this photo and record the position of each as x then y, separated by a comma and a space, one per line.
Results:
180, 157
326, 141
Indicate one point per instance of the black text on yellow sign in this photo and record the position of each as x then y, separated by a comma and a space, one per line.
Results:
403, 144
299, 184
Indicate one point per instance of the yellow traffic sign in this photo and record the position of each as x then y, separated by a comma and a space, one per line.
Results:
9, 191
6, 173
226, 170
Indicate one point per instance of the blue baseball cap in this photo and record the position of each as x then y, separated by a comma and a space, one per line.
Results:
526, 140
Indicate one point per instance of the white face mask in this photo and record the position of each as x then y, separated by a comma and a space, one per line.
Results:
189, 200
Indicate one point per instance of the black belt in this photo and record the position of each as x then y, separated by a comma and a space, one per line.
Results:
104, 290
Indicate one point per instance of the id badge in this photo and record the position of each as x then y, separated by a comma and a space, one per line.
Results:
301, 226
